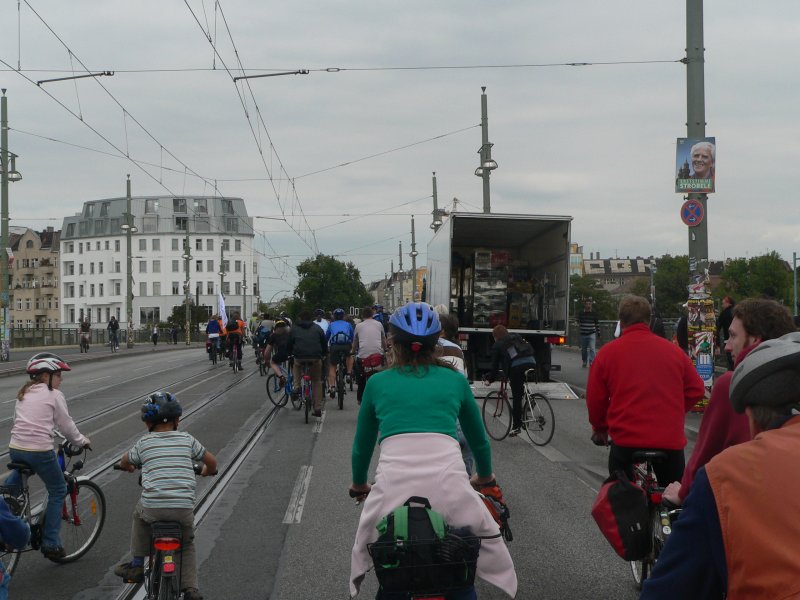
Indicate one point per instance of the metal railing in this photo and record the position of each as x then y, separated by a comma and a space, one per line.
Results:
43, 337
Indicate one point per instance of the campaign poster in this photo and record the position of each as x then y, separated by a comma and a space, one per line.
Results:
702, 325
695, 165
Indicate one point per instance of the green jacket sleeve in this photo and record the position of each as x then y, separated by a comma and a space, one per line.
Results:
365, 438
472, 426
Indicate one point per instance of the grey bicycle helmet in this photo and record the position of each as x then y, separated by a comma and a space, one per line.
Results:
769, 375
161, 407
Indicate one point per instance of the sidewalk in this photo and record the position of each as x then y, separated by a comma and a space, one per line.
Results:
97, 352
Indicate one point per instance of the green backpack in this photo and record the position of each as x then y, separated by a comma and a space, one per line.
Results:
418, 552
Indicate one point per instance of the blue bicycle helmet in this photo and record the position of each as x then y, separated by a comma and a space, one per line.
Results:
161, 407
415, 322
338, 313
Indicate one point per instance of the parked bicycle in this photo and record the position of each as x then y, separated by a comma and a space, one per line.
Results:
661, 512
538, 418
83, 512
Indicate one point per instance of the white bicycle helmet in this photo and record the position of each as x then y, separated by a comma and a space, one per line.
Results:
46, 362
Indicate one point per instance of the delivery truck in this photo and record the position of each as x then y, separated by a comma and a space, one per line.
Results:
503, 269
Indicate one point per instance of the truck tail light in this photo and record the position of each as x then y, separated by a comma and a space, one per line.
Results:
556, 340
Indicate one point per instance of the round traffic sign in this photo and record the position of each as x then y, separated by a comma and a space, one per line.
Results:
692, 213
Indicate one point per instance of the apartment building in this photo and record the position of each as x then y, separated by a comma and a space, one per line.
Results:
94, 258
34, 294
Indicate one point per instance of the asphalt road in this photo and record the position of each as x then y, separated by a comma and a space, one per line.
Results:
284, 527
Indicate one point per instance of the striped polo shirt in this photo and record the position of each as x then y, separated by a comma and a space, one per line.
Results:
168, 478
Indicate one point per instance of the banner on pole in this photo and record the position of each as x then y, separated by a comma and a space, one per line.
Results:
695, 165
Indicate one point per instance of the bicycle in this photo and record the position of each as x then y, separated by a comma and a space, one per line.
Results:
83, 511
661, 512
260, 362
496, 411
279, 394
113, 343
341, 371
84, 342
538, 419
306, 387
236, 354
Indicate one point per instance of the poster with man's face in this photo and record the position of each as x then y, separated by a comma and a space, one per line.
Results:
695, 169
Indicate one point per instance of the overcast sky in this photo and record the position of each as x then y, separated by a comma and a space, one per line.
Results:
594, 142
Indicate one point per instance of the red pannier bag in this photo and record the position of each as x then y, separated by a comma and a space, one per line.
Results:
621, 512
373, 361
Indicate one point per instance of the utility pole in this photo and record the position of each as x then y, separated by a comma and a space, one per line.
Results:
487, 165
129, 229
187, 258
696, 125
402, 275
221, 267
794, 282
413, 254
7, 173
244, 292
437, 217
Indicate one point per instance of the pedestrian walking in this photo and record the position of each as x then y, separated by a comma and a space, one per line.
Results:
589, 330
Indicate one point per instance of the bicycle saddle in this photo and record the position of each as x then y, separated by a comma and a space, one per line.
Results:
23, 467
653, 456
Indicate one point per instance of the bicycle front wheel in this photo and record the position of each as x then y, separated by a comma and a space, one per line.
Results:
82, 520
496, 416
340, 387
538, 419
276, 391
306, 393
10, 560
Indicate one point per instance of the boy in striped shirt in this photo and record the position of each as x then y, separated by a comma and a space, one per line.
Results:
166, 457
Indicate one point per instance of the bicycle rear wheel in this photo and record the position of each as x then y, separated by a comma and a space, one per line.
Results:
340, 386
168, 588
82, 523
538, 419
276, 391
306, 393
641, 569
496, 416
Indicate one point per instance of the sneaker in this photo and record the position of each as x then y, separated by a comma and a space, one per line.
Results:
331, 392
53, 552
283, 381
130, 573
515, 432
192, 594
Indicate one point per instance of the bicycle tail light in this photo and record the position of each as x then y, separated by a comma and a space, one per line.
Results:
306, 377
168, 566
556, 340
167, 544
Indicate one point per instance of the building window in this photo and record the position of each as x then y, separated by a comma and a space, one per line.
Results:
19, 303
117, 288
69, 268
181, 223
150, 224
232, 224
115, 226
179, 205
143, 288
69, 248
149, 315
80, 247
107, 245
83, 227
116, 245
176, 288
151, 206
80, 291
97, 246
175, 244
198, 266
201, 206
156, 266
226, 288
91, 290
104, 209
142, 266
210, 245
238, 287
108, 313
142, 244
80, 269
29, 244
100, 289
198, 290
198, 244
118, 313
71, 312
237, 266
226, 265
156, 288
100, 268
176, 266
237, 244
117, 266
28, 323
70, 230
89, 210
209, 287
155, 245
91, 268
226, 245
210, 266
227, 206
99, 228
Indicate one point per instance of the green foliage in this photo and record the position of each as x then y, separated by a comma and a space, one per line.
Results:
582, 288
641, 287
327, 283
671, 280
760, 276
197, 314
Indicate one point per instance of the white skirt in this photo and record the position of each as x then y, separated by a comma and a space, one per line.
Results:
430, 465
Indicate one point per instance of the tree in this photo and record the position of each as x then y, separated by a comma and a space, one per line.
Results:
641, 287
197, 315
767, 275
328, 283
583, 288
671, 280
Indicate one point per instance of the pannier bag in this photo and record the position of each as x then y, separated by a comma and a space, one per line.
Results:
418, 553
373, 361
621, 512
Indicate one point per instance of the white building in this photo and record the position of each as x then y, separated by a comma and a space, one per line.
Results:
94, 260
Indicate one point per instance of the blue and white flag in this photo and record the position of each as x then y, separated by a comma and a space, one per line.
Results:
222, 314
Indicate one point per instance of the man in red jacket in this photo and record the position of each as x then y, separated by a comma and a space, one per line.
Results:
754, 320
640, 387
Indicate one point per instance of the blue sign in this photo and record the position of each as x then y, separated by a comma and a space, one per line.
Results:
692, 213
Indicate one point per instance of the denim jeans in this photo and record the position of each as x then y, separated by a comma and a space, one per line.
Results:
45, 465
587, 348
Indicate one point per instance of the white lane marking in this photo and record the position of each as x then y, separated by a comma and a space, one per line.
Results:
98, 379
196, 384
318, 425
9, 401
113, 423
298, 500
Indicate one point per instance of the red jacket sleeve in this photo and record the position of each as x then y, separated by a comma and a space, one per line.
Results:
693, 386
598, 397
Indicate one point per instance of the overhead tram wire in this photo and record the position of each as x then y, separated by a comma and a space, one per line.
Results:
314, 248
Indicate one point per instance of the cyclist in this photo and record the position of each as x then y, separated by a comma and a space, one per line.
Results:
113, 331
40, 408
166, 457
307, 345
640, 388
412, 409
234, 332
86, 331
516, 356
320, 320
380, 317
213, 330
738, 535
277, 349
285, 316
369, 340
340, 339
252, 324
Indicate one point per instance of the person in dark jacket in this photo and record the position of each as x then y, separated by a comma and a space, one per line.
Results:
589, 329
725, 320
308, 346
657, 324
515, 355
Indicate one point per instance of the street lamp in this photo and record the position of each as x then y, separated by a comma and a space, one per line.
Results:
487, 165
187, 257
129, 228
794, 282
8, 173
